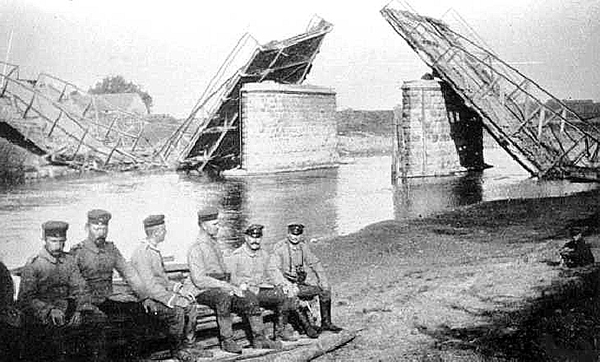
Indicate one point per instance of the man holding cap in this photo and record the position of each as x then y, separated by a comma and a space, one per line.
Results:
53, 297
209, 281
294, 257
162, 296
252, 271
97, 258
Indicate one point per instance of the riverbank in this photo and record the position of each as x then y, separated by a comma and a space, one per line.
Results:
479, 283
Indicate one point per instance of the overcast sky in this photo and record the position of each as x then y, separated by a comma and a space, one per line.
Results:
172, 48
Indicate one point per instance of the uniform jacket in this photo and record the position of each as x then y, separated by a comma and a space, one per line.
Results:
253, 268
204, 257
48, 282
287, 256
7, 288
147, 261
96, 265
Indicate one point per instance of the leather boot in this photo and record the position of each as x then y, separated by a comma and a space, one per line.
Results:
258, 334
304, 319
326, 325
281, 332
228, 344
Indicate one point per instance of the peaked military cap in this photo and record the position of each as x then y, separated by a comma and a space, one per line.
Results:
207, 215
254, 230
154, 220
99, 216
295, 229
55, 228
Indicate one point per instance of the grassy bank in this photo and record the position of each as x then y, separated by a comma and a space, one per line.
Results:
12, 163
479, 283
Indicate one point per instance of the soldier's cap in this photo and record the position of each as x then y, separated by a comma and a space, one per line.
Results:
295, 229
254, 230
154, 220
99, 217
55, 228
207, 215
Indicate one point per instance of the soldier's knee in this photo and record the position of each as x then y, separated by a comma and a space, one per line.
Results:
325, 294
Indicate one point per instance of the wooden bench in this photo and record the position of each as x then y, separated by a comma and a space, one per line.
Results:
154, 338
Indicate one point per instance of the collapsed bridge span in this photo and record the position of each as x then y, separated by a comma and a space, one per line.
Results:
541, 133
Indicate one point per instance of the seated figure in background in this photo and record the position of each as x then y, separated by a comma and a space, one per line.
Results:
576, 252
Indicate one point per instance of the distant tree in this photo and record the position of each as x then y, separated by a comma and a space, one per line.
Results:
118, 84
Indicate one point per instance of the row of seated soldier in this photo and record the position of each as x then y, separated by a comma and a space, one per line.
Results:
64, 306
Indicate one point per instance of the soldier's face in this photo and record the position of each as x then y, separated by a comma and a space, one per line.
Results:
160, 233
211, 226
253, 242
294, 239
97, 232
55, 244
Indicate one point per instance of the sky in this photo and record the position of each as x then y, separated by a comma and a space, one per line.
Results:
173, 48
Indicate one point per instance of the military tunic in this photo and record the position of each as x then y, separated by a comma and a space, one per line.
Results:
96, 265
48, 283
55, 283
148, 262
287, 257
255, 269
205, 261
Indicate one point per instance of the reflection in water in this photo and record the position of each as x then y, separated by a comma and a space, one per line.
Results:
419, 197
328, 202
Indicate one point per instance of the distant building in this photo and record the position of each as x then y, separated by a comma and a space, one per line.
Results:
130, 102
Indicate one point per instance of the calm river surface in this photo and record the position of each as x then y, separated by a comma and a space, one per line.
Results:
329, 202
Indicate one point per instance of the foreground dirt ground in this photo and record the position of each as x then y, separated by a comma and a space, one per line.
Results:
479, 283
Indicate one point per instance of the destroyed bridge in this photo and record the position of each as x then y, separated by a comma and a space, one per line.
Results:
52, 117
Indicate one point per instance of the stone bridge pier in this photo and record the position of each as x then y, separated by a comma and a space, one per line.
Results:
435, 133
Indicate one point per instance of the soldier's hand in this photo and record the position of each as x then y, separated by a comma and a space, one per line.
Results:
149, 306
181, 301
237, 291
75, 319
57, 317
294, 290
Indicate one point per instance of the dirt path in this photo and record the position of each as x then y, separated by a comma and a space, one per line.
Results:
479, 283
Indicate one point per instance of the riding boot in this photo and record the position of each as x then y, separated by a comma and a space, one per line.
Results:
258, 334
228, 344
304, 319
326, 325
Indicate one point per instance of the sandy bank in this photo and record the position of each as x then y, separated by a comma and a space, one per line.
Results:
478, 283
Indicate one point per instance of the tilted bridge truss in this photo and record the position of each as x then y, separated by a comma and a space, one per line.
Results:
211, 134
53, 117
535, 128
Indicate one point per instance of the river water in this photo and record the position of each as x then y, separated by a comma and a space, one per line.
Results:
330, 202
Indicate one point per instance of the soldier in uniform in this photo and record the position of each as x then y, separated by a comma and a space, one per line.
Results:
253, 272
163, 297
54, 301
576, 252
10, 316
97, 258
294, 257
209, 281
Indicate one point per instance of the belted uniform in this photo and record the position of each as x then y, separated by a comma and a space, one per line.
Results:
209, 281
48, 283
159, 292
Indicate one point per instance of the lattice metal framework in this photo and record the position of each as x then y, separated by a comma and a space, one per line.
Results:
211, 135
71, 124
541, 133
